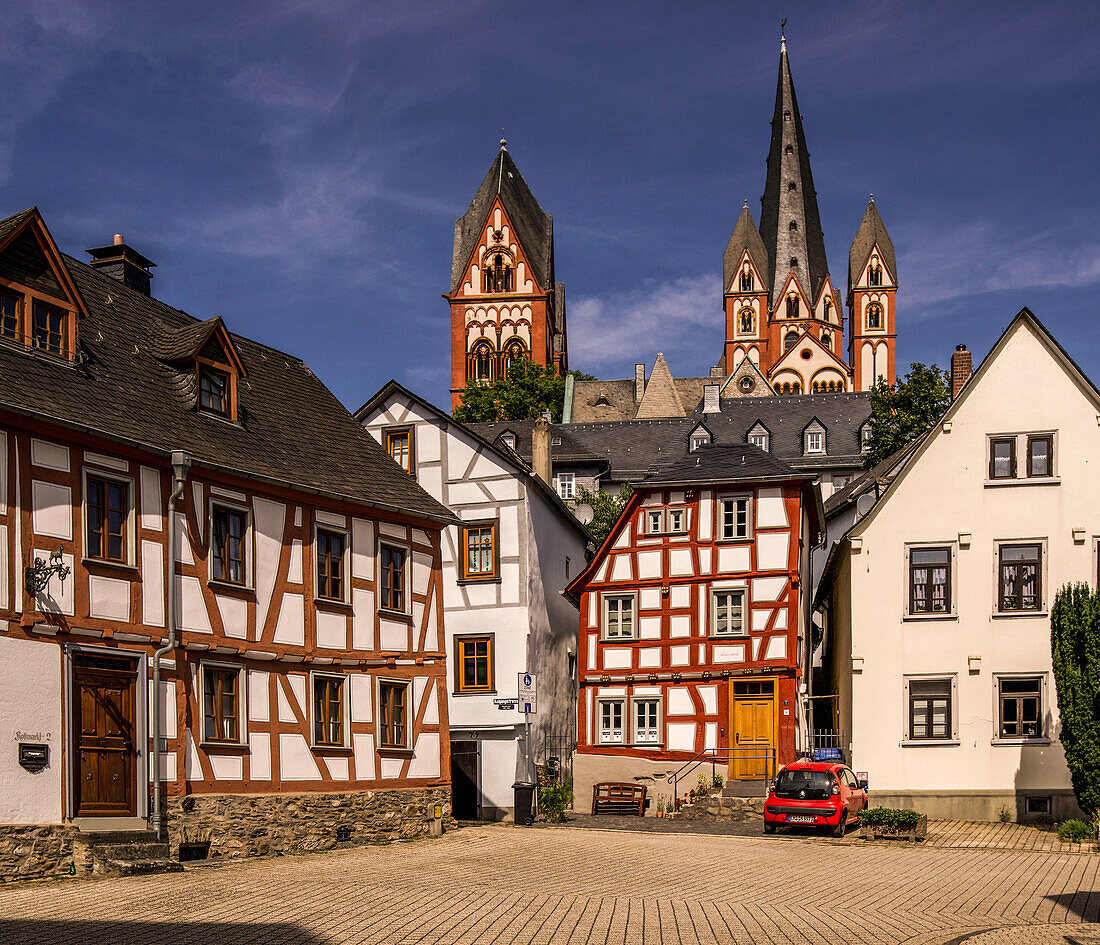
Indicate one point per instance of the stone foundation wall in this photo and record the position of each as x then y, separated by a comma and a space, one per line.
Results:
240, 825
28, 852
591, 769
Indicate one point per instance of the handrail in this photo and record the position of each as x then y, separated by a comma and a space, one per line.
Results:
715, 756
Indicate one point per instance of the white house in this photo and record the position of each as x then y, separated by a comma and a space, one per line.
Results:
937, 599
504, 571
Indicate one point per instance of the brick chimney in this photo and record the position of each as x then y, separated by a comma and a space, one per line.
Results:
540, 449
123, 263
710, 399
961, 367
639, 382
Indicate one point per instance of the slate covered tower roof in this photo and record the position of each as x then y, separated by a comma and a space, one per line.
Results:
871, 230
782, 204
745, 236
533, 227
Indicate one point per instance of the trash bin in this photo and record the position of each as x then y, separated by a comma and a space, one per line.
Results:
525, 801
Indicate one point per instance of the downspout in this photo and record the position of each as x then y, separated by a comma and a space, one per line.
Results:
181, 464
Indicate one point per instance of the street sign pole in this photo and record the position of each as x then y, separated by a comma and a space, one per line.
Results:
526, 694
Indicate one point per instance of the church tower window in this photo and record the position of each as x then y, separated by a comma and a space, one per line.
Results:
748, 321
482, 361
514, 352
789, 340
874, 274
746, 280
827, 308
874, 315
794, 224
498, 273
792, 306
827, 340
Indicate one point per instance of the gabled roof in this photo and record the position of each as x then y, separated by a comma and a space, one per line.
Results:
745, 237
29, 222
715, 463
871, 231
180, 344
806, 338
746, 366
780, 205
511, 459
534, 229
124, 392
660, 399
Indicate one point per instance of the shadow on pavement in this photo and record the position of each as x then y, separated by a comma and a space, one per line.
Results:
1081, 904
54, 931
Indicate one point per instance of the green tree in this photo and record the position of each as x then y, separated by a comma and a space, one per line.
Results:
606, 508
903, 411
1075, 653
522, 394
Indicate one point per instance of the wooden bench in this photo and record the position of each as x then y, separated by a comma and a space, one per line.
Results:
618, 798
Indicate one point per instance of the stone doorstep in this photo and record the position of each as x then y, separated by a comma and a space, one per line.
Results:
139, 867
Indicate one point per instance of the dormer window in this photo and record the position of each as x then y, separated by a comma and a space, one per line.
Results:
792, 306
865, 434
759, 440
813, 439
509, 440
213, 390
699, 438
9, 317
746, 280
498, 273
874, 274
49, 328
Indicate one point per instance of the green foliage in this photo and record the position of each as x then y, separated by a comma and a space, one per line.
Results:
607, 508
889, 817
1004, 815
717, 781
555, 798
523, 394
1074, 831
901, 413
1075, 653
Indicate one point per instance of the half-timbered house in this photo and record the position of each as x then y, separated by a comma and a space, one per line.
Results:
504, 569
293, 614
693, 623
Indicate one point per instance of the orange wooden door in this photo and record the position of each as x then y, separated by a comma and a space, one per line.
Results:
105, 746
752, 721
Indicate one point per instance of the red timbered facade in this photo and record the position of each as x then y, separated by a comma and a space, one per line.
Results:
693, 622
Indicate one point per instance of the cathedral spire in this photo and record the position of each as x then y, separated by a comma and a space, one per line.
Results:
790, 224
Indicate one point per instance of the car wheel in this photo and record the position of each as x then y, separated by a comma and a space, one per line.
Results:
838, 830
769, 828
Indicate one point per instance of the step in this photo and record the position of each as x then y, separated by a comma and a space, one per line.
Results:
756, 788
150, 850
135, 867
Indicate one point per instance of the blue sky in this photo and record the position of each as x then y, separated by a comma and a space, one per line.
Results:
297, 167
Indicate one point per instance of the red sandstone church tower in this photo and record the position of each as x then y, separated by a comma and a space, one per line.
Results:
505, 304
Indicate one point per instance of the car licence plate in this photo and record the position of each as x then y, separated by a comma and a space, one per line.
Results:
800, 818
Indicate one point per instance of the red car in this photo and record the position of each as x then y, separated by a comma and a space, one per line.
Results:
815, 794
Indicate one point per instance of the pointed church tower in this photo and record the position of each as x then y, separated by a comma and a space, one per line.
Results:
746, 275
505, 304
872, 288
800, 293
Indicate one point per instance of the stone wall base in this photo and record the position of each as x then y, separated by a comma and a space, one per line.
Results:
30, 852
242, 825
979, 805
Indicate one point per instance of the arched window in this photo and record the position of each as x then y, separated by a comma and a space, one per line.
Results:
874, 274
827, 340
796, 388
482, 365
789, 340
746, 280
786, 387
874, 315
498, 274
747, 319
792, 306
514, 351
827, 308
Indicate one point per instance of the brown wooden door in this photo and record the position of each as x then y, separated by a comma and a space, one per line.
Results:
752, 721
103, 700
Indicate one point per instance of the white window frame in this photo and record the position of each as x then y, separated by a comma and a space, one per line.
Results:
345, 710
605, 606
741, 592
654, 521
410, 713
242, 704
670, 516
1044, 567
509, 440
95, 472
952, 611
699, 439
908, 742
763, 437
721, 506
810, 450
249, 544
1044, 708
567, 485
658, 728
865, 435
602, 733
406, 577
345, 564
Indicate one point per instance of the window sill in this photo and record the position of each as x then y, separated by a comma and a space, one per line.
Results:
235, 747
231, 588
1023, 481
733, 541
332, 602
1003, 614
622, 640
395, 615
1021, 741
475, 692
119, 566
332, 749
488, 579
917, 618
715, 637
393, 750
931, 743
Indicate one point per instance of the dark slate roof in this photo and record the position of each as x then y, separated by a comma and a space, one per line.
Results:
717, 463
871, 230
568, 451
178, 343
293, 430
745, 236
880, 475
534, 228
780, 205
14, 221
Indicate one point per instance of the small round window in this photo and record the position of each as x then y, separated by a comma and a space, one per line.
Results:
746, 384
805, 352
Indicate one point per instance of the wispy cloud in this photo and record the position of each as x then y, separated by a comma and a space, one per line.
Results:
976, 259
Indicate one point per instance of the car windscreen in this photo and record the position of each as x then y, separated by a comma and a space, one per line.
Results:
811, 785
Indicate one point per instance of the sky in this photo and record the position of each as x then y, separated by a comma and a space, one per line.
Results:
297, 167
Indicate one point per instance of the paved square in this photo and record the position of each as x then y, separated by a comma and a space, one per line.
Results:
569, 885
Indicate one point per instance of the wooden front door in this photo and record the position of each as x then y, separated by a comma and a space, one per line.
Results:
105, 743
752, 723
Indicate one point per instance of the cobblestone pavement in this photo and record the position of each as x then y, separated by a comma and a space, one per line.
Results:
567, 885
